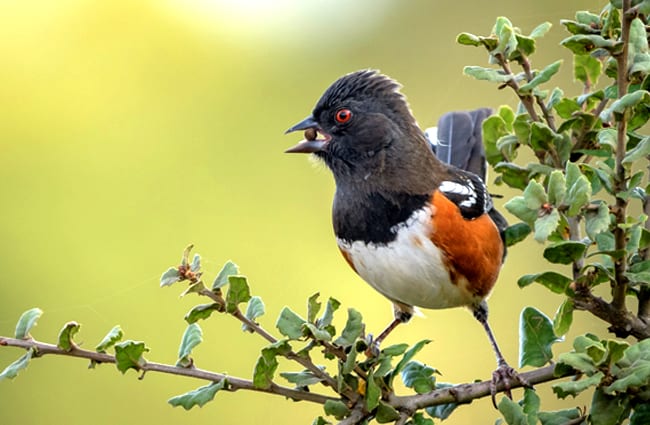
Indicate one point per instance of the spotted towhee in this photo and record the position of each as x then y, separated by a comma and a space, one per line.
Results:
421, 232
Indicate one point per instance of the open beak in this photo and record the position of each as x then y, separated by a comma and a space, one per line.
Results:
315, 138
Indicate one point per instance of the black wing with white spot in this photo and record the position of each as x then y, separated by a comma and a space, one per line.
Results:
467, 191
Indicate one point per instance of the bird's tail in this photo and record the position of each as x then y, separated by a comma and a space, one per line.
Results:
457, 140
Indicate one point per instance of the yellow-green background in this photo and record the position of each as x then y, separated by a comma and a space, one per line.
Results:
129, 129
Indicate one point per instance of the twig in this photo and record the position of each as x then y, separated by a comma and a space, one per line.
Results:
234, 383
550, 119
525, 100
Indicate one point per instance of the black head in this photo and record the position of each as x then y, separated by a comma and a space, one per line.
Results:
363, 129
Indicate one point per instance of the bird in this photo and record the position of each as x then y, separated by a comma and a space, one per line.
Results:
421, 231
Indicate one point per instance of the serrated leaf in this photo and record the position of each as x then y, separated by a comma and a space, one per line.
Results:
386, 413
640, 151
419, 377
633, 369
352, 330
172, 275
563, 317
336, 408
201, 311
559, 417
196, 263
301, 379
192, 337
254, 309
597, 221
290, 324
66, 335
487, 74
565, 252
130, 355
554, 281
199, 396
26, 322
228, 269
111, 338
573, 387
516, 233
313, 307
408, 356
543, 76
238, 292
535, 338
512, 412
11, 371
518, 207
608, 410
546, 225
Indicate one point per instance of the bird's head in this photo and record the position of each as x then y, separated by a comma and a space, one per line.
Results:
360, 126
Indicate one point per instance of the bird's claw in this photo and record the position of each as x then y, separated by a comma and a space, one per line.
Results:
507, 376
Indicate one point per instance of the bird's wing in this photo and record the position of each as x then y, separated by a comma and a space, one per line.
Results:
468, 192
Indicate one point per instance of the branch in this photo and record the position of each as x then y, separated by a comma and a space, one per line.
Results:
234, 383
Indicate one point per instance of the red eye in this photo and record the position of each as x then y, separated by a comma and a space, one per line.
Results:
343, 116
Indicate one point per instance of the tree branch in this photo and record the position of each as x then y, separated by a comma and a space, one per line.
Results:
234, 383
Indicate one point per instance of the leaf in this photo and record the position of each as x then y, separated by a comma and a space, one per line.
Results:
318, 334
516, 233
565, 252
546, 225
408, 356
513, 175
228, 269
578, 195
129, 355
638, 57
238, 292
556, 188
313, 307
186, 255
111, 338
512, 412
201, 311
559, 417
579, 361
395, 350
194, 288
442, 411
563, 317
543, 76
566, 107
419, 419
518, 207
633, 370
301, 379
172, 275
386, 413
66, 334
254, 309
641, 415
26, 322
336, 408
531, 404
581, 44
598, 221
625, 102
352, 330
192, 337
196, 263
592, 346
328, 315
468, 39
487, 74
573, 387
373, 392
608, 410
535, 338
320, 421
540, 30
587, 69
290, 324
535, 195
419, 377
199, 396
640, 151
267, 363
494, 128
11, 371
554, 281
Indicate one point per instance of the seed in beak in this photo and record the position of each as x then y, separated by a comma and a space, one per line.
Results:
310, 134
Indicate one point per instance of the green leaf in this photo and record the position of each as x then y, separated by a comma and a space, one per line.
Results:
578, 195
543, 76
565, 252
638, 57
494, 128
597, 221
185, 259
130, 355
512, 412
419, 419
554, 281
290, 324
535, 195
199, 396
320, 421
352, 330
172, 275
581, 44
516, 233
336, 408
633, 370
442, 411
192, 337
513, 175
194, 288
507, 41
540, 30
228, 269
111, 338
201, 311
408, 356
587, 69
328, 315
386, 413
640, 151
641, 415
627, 101
66, 335
238, 292
267, 363
487, 74
313, 307
575, 387
559, 417
579, 361
315, 332
11, 371
254, 309
301, 379
535, 338
608, 410
546, 225
419, 377
531, 404
373, 392
468, 39
566, 107
556, 96
395, 350
26, 322
592, 346
518, 207
196, 263
563, 317
556, 188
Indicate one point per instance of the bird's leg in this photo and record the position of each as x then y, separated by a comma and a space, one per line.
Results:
503, 373
403, 314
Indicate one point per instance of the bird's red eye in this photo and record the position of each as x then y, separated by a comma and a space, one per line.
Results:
343, 115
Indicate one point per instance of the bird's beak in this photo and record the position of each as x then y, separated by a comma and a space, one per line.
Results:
311, 143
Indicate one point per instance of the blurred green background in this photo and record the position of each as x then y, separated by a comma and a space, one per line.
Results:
129, 129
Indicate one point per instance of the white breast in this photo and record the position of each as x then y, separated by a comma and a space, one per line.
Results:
409, 269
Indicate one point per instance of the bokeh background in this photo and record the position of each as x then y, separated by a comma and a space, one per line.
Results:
129, 129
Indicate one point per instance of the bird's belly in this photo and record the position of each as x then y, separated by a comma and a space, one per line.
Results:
410, 269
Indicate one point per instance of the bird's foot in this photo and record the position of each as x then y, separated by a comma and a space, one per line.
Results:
506, 376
